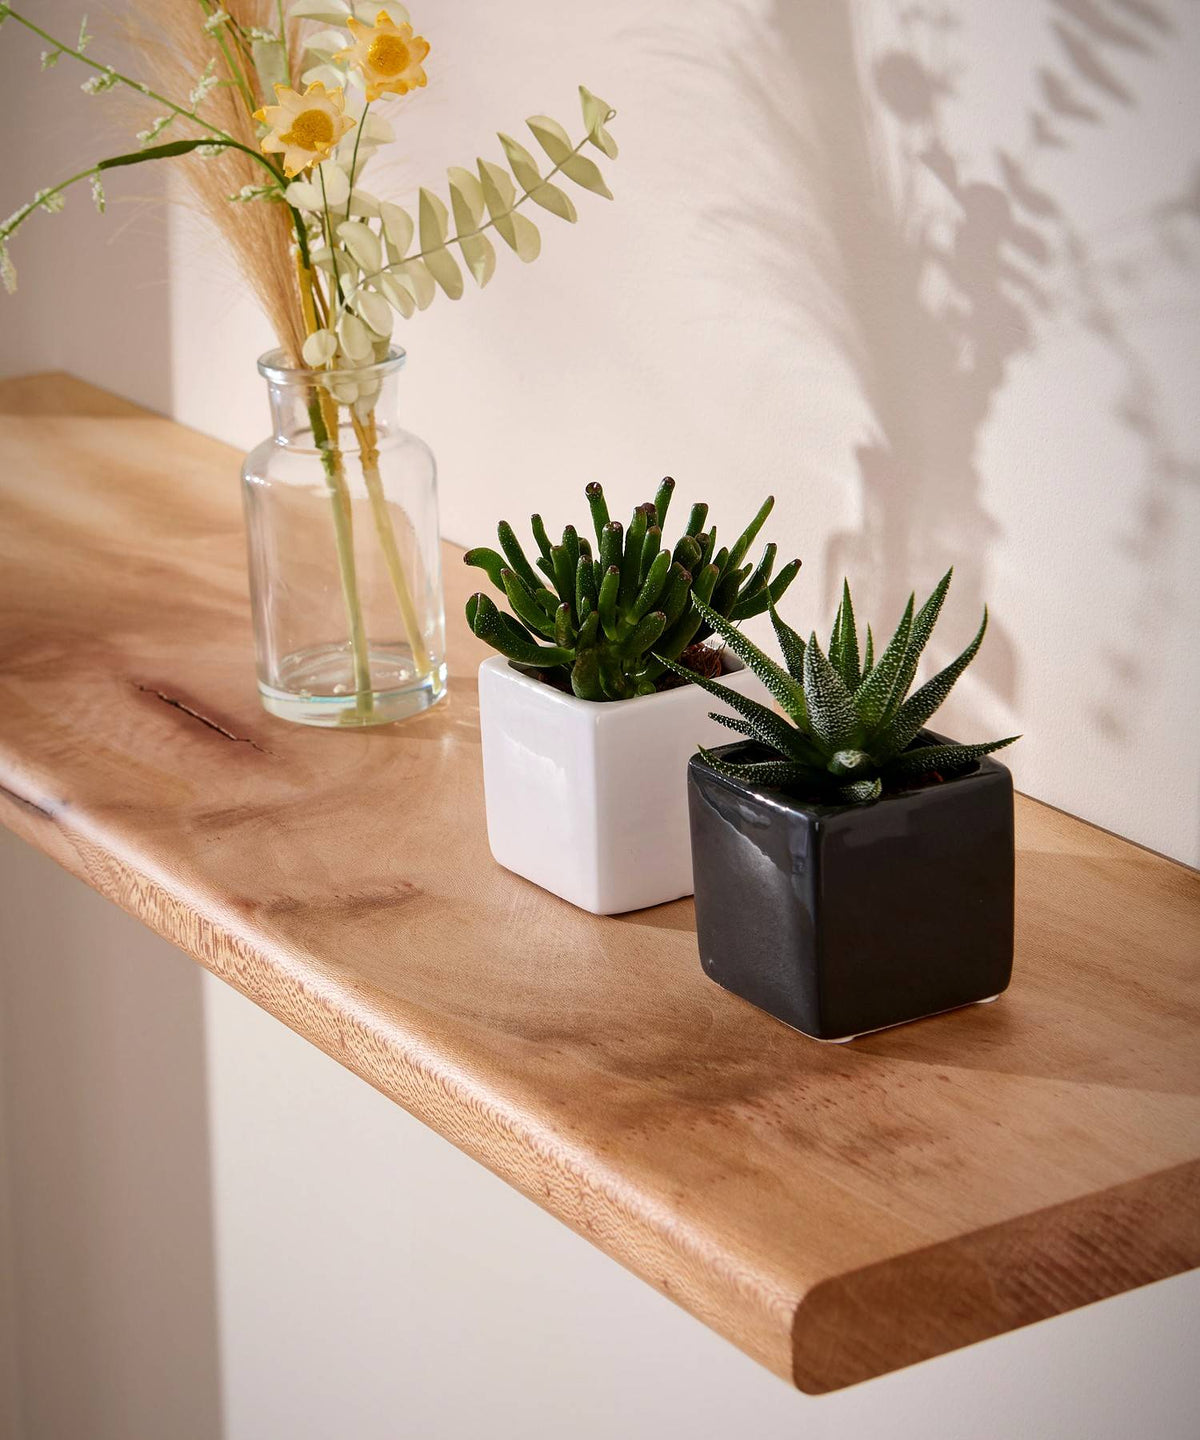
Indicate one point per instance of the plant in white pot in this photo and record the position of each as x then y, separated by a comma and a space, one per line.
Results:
586, 732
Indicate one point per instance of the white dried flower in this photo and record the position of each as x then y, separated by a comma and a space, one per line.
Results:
85, 39
51, 201
215, 21
98, 84
98, 197
50, 59
206, 84
8, 271
154, 130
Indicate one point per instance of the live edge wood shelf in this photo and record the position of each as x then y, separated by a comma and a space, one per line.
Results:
837, 1212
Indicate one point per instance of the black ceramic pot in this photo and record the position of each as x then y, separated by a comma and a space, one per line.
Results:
839, 919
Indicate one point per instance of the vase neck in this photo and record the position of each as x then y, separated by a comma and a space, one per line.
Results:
352, 406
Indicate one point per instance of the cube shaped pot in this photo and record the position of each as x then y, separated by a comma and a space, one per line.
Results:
840, 919
588, 799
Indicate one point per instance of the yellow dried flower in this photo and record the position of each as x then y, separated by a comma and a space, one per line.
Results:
387, 55
304, 128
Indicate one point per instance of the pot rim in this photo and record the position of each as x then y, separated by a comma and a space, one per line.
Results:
778, 798
273, 366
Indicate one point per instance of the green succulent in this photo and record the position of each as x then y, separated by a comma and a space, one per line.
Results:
610, 622
849, 722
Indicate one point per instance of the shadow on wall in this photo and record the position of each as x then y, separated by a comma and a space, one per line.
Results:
931, 274
104, 1081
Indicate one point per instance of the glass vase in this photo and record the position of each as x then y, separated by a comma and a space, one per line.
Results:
342, 531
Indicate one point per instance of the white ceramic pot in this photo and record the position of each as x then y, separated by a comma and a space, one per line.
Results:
589, 799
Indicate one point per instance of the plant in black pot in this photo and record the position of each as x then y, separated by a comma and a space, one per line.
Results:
853, 870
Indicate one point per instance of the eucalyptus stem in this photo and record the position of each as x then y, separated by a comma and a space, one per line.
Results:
368, 450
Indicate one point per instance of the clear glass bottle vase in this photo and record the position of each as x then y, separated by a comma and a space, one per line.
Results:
342, 530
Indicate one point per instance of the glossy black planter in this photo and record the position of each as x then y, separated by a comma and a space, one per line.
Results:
839, 919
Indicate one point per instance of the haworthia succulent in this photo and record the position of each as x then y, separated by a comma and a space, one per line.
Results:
849, 728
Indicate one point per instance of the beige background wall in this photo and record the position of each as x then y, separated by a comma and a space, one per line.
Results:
928, 271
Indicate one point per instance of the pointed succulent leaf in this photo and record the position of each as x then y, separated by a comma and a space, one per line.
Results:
858, 792
922, 629
760, 772
922, 703
734, 722
771, 729
868, 655
848, 657
790, 644
872, 696
832, 717
925, 758
787, 691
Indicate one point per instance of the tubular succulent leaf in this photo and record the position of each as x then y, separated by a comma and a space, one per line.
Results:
850, 721
617, 618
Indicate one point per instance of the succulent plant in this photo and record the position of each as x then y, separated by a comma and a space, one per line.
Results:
607, 624
849, 722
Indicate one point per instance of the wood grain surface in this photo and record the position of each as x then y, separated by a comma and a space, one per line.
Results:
836, 1212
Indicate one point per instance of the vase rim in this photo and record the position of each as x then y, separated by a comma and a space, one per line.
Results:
273, 367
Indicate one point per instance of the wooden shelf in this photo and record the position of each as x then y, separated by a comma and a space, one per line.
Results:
837, 1212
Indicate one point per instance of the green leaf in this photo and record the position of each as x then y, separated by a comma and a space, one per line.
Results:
917, 709
849, 666
585, 676
558, 202
652, 587
869, 654
696, 519
586, 172
518, 232
764, 599
631, 560
747, 537
551, 136
596, 115
432, 218
599, 508
487, 560
772, 773
159, 152
609, 588
922, 629
527, 609
486, 623
777, 680
564, 576
564, 631
516, 556
587, 597
832, 717
771, 729
541, 539
934, 757
466, 199
872, 696
790, 644
648, 630
610, 545
523, 165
